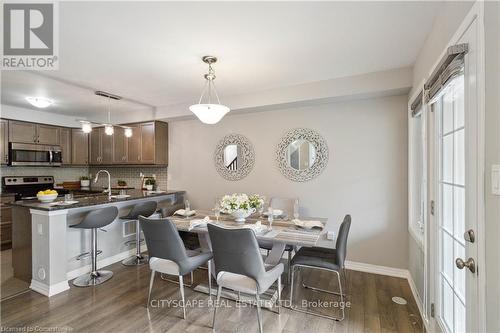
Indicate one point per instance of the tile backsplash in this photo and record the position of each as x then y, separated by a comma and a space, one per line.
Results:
129, 174
132, 175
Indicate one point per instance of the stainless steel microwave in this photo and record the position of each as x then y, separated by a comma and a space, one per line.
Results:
27, 154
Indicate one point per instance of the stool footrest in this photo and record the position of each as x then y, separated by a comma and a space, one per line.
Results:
86, 255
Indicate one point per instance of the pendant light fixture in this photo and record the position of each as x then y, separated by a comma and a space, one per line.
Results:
209, 113
109, 128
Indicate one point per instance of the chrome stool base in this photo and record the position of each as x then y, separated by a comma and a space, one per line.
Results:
136, 260
93, 279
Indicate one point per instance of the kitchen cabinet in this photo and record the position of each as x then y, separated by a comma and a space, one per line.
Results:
79, 147
148, 144
65, 143
47, 135
4, 141
6, 221
119, 146
25, 132
101, 147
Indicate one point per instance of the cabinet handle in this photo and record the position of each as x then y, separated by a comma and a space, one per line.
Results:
138, 157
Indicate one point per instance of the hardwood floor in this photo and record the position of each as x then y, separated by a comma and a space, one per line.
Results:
119, 305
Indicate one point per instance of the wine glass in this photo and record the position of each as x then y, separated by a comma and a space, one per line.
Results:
187, 208
270, 217
296, 209
217, 212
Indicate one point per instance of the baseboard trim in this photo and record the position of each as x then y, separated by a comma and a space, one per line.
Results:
47, 290
376, 269
103, 262
395, 272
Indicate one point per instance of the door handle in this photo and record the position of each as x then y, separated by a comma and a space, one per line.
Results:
470, 264
469, 236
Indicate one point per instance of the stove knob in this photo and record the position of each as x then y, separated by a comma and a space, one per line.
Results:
14, 180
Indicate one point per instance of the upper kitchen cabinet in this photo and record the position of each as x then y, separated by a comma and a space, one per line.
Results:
101, 147
119, 146
148, 144
4, 144
65, 143
79, 147
25, 132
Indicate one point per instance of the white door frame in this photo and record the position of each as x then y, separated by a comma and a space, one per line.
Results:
476, 184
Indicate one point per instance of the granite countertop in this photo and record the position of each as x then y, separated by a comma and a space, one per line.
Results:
91, 200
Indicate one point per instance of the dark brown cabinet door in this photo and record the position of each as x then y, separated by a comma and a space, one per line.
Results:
22, 132
106, 148
65, 143
120, 146
4, 141
134, 145
148, 143
95, 146
79, 147
47, 135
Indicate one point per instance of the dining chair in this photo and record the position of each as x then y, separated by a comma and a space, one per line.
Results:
168, 255
331, 260
239, 265
286, 205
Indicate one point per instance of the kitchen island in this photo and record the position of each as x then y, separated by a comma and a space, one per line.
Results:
56, 249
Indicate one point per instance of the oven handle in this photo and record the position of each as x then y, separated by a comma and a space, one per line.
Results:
50, 156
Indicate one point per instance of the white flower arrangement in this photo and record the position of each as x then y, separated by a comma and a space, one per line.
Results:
242, 202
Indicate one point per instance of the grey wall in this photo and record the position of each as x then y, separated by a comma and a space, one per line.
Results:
492, 230
365, 177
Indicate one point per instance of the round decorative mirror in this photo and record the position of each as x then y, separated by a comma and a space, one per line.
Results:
234, 157
302, 154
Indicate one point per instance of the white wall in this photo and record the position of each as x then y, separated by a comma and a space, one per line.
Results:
445, 25
365, 177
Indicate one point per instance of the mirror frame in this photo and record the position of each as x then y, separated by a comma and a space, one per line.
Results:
319, 164
248, 158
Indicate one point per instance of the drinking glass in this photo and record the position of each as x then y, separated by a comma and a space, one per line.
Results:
270, 217
68, 197
187, 208
296, 209
217, 212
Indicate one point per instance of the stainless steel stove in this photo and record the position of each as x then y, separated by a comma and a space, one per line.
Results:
27, 187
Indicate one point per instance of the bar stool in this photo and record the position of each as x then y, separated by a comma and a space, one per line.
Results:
94, 220
145, 209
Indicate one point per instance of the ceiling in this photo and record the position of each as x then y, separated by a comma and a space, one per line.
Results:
150, 52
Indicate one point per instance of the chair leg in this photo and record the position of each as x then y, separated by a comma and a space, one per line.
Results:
209, 281
219, 291
259, 314
151, 281
181, 287
289, 265
279, 295
291, 285
341, 297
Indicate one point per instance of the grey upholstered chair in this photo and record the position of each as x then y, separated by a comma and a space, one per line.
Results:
146, 208
94, 220
286, 205
324, 259
167, 254
239, 265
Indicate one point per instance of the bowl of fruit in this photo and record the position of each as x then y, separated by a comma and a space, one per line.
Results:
47, 195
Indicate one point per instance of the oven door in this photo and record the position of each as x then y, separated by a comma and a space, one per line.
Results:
22, 154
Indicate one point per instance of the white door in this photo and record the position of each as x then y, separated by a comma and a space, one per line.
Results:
457, 185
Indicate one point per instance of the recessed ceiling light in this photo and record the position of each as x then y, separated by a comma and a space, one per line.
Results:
40, 102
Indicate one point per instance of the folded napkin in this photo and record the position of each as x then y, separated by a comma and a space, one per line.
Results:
183, 212
257, 227
308, 224
198, 223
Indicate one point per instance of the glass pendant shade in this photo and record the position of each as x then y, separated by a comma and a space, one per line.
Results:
86, 127
209, 113
109, 130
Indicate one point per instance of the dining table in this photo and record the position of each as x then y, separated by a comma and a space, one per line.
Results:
282, 231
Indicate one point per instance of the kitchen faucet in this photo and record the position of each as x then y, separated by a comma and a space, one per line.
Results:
109, 181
